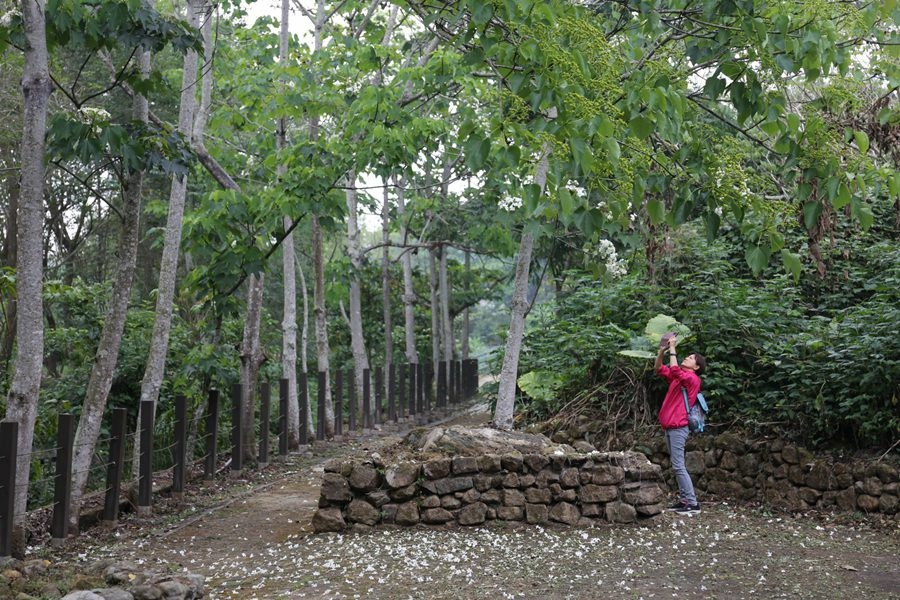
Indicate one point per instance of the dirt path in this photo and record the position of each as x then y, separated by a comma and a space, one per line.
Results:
260, 546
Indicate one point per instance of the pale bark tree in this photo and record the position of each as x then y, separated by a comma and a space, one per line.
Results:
446, 322
162, 325
105, 360
322, 350
464, 334
22, 399
409, 295
357, 340
252, 357
386, 283
304, 338
289, 322
506, 395
435, 309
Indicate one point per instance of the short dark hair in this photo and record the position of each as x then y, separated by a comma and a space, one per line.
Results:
701, 362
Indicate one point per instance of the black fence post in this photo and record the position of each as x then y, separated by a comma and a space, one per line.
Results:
145, 461
116, 466
401, 387
338, 393
284, 389
179, 446
392, 393
451, 383
411, 394
475, 375
460, 394
367, 401
320, 422
420, 389
212, 435
265, 396
429, 387
65, 436
303, 384
9, 445
442, 385
237, 442
351, 400
379, 395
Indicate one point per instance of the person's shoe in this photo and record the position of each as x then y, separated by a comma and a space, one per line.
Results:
677, 505
688, 509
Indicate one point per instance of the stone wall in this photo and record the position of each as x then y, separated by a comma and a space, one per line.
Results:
783, 475
468, 490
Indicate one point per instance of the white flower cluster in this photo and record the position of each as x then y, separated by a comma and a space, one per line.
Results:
509, 203
607, 253
7, 19
94, 117
731, 185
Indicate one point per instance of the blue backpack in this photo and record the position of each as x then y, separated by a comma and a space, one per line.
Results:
696, 414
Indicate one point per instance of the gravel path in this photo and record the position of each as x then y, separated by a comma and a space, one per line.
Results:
259, 546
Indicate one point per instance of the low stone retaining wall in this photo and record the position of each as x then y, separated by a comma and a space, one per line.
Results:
618, 487
783, 475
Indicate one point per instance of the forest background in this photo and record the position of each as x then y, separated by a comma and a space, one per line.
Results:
546, 177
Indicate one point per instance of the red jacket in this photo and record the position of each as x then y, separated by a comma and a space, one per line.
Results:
672, 413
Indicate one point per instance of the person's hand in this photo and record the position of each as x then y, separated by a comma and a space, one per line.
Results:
673, 341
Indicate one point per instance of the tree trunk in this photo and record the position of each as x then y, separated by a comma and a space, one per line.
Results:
322, 362
289, 322
304, 340
251, 359
357, 340
446, 323
9, 256
162, 325
386, 284
22, 399
107, 355
435, 310
464, 335
506, 395
409, 295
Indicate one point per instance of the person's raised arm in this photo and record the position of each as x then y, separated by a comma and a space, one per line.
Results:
673, 360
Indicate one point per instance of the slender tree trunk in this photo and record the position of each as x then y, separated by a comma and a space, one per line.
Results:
464, 335
409, 295
159, 340
107, 354
10, 252
446, 323
322, 351
357, 340
435, 310
22, 399
506, 395
289, 323
386, 283
304, 340
251, 359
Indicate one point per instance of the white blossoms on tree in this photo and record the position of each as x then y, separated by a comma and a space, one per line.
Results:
606, 252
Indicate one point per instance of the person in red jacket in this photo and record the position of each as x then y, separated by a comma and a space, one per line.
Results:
674, 420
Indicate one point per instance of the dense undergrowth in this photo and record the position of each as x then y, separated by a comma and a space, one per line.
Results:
816, 359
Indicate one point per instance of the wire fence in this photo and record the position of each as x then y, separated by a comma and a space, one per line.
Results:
164, 444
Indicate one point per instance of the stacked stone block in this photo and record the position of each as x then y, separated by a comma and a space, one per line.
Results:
571, 489
784, 475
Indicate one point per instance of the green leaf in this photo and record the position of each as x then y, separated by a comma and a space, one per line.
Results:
662, 324
842, 198
792, 263
637, 354
862, 141
793, 121
657, 211
811, 213
641, 127
758, 258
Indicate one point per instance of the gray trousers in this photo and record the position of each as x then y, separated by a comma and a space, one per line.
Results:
676, 440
